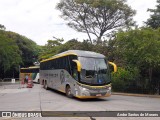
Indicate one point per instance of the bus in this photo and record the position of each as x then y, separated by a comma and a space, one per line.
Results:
32, 73
83, 74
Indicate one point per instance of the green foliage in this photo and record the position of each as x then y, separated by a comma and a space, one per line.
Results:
16, 50
9, 53
154, 20
125, 78
141, 48
106, 48
28, 49
75, 45
50, 49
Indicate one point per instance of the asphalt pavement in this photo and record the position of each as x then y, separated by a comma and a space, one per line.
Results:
39, 99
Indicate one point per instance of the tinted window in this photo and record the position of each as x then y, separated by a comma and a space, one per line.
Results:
59, 63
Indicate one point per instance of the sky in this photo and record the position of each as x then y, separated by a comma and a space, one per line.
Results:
39, 21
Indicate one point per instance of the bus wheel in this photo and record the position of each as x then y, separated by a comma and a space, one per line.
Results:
38, 81
68, 92
45, 85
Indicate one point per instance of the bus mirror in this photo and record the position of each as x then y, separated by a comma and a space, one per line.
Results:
114, 66
78, 65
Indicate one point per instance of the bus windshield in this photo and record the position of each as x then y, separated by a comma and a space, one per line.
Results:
94, 71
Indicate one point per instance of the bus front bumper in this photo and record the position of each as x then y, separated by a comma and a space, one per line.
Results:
94, 93
87, 97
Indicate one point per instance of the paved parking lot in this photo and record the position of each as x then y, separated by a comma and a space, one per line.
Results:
39, 99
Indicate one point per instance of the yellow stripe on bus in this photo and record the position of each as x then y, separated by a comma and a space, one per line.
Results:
59, 56
78, 65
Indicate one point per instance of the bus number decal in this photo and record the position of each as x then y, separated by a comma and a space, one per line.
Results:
51, 75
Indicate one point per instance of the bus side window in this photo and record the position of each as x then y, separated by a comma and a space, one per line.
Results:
74, 71
73, 67
71, 64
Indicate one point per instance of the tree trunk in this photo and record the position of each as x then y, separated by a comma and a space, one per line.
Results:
89, 36
99, 41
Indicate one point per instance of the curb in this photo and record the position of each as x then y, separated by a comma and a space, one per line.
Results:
136, 95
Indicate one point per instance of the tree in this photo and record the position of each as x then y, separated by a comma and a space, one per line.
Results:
28, 49
53, 43
96, 16
141, 48
125, 78
54, 47
9, 54
16, 50
50, 49
154, 20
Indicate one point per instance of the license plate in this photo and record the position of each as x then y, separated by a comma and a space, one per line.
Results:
98, 95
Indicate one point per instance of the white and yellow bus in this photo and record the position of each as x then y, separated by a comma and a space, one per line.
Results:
31, 72
83, 74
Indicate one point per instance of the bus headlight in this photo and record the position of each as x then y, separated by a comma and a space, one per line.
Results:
109, 88
85, 93
76, 93
84, 89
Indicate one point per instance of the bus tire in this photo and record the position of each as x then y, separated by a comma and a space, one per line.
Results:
68, 91
38, 81
45, 85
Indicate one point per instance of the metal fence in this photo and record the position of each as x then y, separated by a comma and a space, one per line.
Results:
10, 83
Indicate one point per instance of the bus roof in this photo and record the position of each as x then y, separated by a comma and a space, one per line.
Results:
79, 53
31, 67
